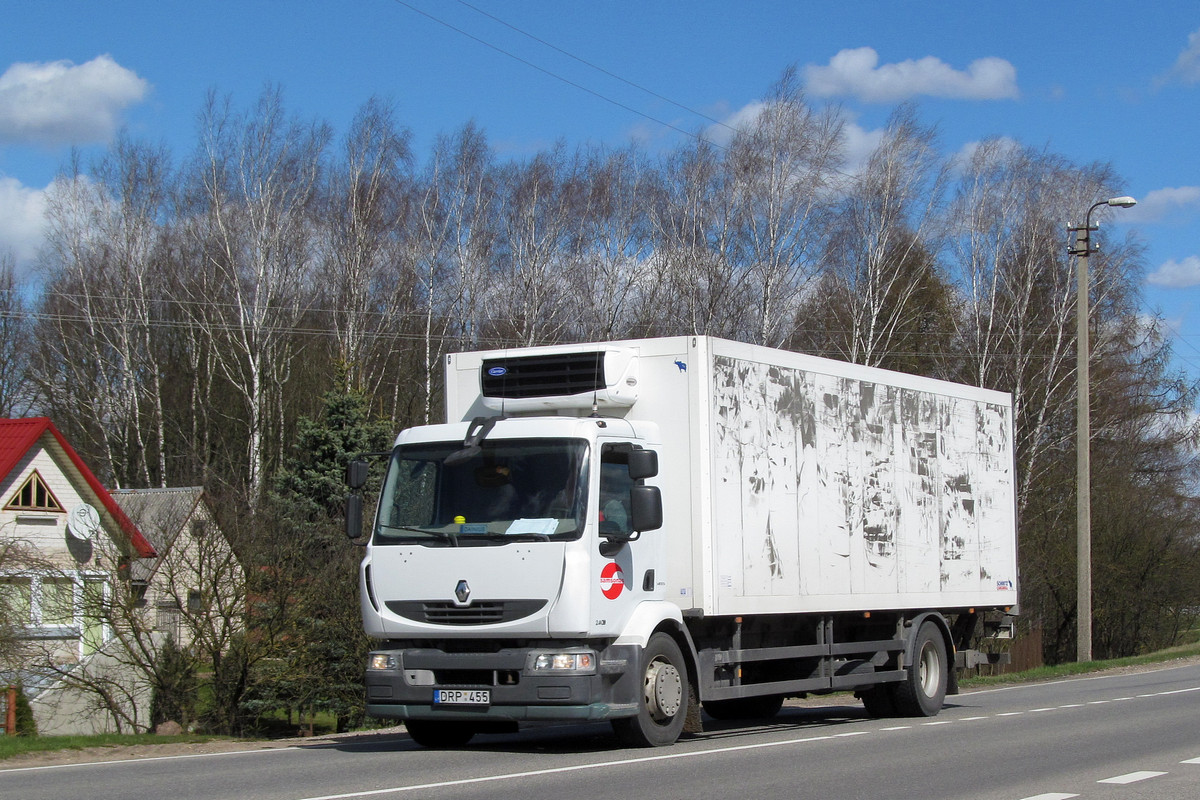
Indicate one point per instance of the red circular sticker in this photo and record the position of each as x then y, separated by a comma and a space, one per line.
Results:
611, 580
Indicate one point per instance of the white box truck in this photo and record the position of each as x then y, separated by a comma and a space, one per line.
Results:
625, 531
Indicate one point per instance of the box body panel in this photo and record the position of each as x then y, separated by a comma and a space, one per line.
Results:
798, 484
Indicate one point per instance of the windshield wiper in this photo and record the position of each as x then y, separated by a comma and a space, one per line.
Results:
445, 536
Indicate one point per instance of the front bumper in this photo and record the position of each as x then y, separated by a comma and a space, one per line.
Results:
518, 693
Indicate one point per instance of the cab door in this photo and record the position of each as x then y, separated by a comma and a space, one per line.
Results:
626, 562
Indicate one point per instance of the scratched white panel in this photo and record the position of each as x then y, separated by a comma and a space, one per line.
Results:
828, 485
960, 538
919, 495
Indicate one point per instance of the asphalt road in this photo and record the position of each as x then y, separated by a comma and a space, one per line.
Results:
1114, 737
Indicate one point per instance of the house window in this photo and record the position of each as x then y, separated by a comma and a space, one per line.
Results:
168, 618
16, 601
195, 604
49, 606
34, 495
58, 602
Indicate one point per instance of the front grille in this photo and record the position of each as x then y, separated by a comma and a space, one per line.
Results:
436, 612
465, 677
559, 375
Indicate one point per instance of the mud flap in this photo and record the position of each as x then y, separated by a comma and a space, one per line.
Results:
692, 723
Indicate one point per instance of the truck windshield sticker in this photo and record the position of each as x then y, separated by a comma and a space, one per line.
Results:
612, 581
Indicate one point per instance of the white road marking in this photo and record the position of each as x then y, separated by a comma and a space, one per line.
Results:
1132, 777
1191, 761
971, 719
1051, 796
897, 728
508, 776
284, 749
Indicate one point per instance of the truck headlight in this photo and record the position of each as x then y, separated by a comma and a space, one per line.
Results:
381, 661
581, 663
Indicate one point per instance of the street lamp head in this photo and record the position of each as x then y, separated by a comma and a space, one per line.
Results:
1122, 202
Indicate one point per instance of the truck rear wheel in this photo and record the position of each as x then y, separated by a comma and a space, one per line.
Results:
663, 701
438, 734
878, 701
923, 689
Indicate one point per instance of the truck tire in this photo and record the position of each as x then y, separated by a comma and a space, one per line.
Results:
438, 734
663, 701
764, 707
878, 701
923, 689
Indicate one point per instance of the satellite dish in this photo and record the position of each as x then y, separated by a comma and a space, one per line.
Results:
83, 522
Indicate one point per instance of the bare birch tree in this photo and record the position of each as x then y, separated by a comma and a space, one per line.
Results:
15, 334
259, 175
104, 263
781, 167
530, 304
450, 247
610, 247
693, 234
360, 279
883, 239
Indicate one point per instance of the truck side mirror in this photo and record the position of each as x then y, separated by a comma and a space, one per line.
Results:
646, 512
643, 464
354, 515
357, 472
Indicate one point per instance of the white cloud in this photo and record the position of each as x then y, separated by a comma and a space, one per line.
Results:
1187, 66
858, 144
1159, 204
744, 117
22, 221
858, 73
1177, 274
63, 103
995, 148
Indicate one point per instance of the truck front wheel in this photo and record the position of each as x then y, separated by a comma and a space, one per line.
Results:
663, 701
923, 689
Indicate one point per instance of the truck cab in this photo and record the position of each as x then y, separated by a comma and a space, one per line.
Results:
505, 564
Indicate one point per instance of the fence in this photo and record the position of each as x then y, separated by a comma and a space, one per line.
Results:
8, 705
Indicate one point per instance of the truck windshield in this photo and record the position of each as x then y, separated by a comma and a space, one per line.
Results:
511, 490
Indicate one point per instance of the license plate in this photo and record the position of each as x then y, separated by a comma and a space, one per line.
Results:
461, 697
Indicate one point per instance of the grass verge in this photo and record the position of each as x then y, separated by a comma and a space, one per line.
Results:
16, 745
1082, 668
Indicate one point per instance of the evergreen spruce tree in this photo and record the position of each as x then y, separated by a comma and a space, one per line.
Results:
320, 646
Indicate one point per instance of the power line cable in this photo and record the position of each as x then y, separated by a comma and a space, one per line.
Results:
558, 77
597, 67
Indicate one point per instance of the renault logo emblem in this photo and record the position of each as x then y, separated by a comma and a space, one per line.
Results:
462, 592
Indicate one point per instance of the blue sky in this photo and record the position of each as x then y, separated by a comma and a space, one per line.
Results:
1099, 81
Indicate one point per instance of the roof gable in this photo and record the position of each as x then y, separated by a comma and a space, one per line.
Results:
19, 436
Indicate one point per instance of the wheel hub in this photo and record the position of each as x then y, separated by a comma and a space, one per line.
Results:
664, 690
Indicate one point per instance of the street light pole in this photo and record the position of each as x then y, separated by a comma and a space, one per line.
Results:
1082, 248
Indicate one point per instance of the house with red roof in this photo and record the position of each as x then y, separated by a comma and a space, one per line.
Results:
64, 542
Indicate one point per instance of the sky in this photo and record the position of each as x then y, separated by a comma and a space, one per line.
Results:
1101, 81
